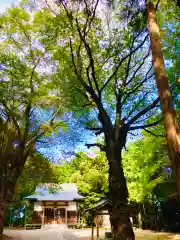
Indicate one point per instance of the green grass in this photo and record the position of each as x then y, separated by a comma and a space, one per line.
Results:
156, 236
148, 235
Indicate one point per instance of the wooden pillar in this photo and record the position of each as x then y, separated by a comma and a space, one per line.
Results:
77, 213
92, 230
66, 215
97, 231
54, 215
25, 215
43, 215
97, 225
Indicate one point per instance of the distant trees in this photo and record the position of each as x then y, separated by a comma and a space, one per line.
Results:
90, 174
37, 170
91, 178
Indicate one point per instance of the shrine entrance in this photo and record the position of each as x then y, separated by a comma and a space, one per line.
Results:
54, 215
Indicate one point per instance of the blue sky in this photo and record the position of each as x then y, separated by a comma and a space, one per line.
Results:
5, 3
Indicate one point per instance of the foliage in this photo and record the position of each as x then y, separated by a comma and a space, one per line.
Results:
146, 168
104, 47
92, 178
65, 169
24, 85
89, 174
37, 170
169, 25
143, 167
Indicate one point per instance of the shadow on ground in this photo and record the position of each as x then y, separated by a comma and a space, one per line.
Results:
7, 237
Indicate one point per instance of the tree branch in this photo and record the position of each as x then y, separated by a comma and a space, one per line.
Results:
121, 61
136, 105
100, 146
129, 60
50, 8
137, 86
102, 116
146, 125
156, 135
139, 67
28, 107
89, 52
97, 131
92, 18
157, 4
144, 111
75, 68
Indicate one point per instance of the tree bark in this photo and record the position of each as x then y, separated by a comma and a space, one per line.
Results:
3, 215
118, 195
169, 115
6, 195
10, 170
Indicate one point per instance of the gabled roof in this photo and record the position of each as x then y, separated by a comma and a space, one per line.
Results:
56, 192
100, 205
46, 188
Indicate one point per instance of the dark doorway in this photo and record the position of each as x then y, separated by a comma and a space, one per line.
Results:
54, 216
49, 215
60, 215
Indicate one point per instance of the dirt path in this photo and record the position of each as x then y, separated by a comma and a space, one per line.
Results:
84, 234
50, 234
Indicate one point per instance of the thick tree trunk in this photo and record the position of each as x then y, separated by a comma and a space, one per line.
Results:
176, 160
6, 195
168, 112
118, 194
3, 215
9, 173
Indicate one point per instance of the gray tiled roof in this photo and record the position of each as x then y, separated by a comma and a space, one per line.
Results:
63, 192
45, 188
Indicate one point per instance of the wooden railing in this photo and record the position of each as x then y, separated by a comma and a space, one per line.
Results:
32, 226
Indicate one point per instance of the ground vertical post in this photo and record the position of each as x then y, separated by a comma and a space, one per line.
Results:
43, 215
92, 229
25, 212
97, 226
66, 215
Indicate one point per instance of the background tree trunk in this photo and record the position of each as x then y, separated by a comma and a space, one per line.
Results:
3, 214
168, 112
118, 195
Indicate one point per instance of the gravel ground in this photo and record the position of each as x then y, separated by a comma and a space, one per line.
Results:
84, 234
50, 234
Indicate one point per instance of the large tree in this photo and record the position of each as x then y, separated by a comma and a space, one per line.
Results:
24, 93
108, 77
169, 114
163, 35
